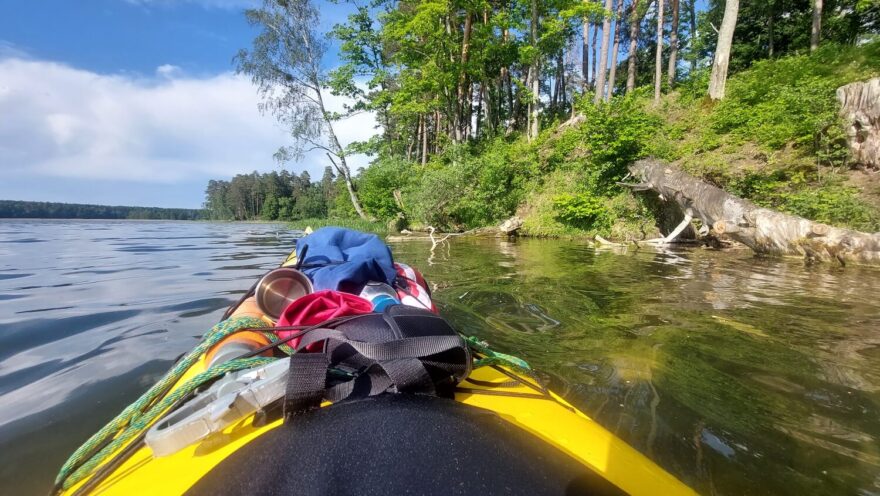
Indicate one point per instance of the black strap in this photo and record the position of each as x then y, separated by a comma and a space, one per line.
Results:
390, 366
305, 383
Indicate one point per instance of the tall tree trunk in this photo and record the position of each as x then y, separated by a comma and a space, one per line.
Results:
560, 64
462, 100
658, 59
615, 48
507, 88
718, 80
593, 48
770, 34
534, 78
634, 23
424, 139
603, 54
436, 140
412, 143
420, 130
480, 110
337, 149
816, 32
554, 91
673, 45
585, 54
692, 10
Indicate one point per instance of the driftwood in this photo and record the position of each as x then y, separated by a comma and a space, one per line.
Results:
763, 230
510, 226
860, 110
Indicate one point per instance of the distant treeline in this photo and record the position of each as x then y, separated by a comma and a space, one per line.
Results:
48, 210
275, 196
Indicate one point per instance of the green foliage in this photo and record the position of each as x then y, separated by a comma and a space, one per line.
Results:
377, 183
463, 189
356, 223
792, 100
269, 196
454, 75
826, 200
13, 209
832, 204
614, 135
584, 211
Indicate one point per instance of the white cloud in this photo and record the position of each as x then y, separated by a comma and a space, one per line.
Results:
169, 71
59, 121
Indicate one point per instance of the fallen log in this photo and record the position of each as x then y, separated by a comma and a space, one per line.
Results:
763, 230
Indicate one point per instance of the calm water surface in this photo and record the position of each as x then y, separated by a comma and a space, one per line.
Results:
739, 375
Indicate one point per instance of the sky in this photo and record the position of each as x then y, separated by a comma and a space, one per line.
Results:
135, 102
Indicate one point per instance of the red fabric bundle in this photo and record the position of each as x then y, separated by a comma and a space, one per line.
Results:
317, 307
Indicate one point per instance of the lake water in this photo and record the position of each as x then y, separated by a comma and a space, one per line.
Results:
737, 374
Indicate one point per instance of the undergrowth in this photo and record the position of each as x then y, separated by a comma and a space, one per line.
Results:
775, 139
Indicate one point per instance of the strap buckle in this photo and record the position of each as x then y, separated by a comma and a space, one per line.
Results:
227, 401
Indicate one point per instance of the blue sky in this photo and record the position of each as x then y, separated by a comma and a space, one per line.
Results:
133, 102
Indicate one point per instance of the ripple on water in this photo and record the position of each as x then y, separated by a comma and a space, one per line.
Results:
739, 375
28, 334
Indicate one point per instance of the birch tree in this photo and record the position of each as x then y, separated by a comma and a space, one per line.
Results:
285, 65
635, 21
603, 53
615, 48
816, 31
673, 45
718, 79
658, 59
534, 124
585, 53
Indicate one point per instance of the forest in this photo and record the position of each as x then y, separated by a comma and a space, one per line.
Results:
492, 108
11, 209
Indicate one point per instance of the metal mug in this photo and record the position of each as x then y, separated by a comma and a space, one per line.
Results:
279, 288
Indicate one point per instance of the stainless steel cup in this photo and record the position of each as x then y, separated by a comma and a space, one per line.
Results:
279, 287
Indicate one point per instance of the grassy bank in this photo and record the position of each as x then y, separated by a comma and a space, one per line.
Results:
775, 139
376, 227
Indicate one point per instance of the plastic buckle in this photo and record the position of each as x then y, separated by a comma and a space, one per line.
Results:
228, 400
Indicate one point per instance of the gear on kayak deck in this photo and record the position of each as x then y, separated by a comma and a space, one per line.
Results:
346, 395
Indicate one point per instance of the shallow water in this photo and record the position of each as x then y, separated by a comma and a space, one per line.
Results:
737, 374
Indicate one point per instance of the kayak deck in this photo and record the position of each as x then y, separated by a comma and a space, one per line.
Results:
519, 401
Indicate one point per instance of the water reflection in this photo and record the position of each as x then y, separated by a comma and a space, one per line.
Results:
739, 374
95, 315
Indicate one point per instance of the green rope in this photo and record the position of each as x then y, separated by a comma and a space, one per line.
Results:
134, 413
144, 421
493, 357
138, 416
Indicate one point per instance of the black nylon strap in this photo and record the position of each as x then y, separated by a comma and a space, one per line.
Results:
398, 365
408, 374
306, 383
412, 347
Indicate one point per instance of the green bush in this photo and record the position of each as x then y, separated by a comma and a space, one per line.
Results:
464, 189
584, 211
833, 204
792, 99
615, 134
377, 183
799, 193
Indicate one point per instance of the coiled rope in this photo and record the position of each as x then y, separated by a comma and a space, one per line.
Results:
142, 413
